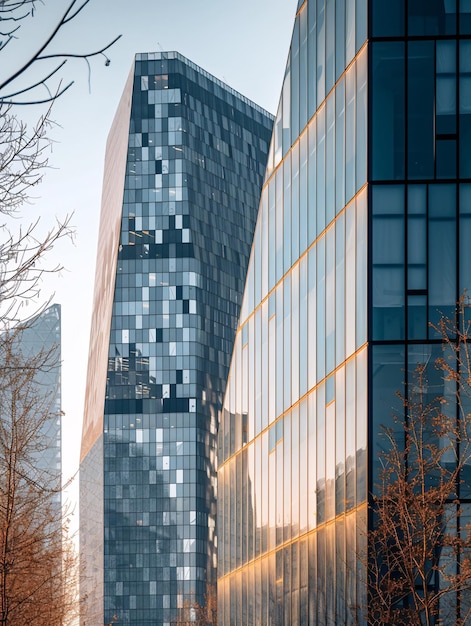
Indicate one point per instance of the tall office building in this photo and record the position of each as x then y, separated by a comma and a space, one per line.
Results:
39, 342
184, 168
361, 240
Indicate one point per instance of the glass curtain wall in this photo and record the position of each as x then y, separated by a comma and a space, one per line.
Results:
192, 168
292, 474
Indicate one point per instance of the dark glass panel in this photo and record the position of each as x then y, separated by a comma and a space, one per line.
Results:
388, 18
388, 262
465, 238
388, 125
387, 381
465, 17
417, 317
442, 251
446, 158
465, 109
431, 17
446, 87
420, 109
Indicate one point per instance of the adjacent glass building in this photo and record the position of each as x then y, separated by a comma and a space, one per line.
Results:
362, 239
184, 168
39, 342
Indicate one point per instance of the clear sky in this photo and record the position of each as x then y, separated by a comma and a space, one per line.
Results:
243, 42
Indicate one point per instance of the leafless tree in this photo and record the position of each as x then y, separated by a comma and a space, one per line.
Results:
37, 560
194, 614
23, 85
419, 544
23, 150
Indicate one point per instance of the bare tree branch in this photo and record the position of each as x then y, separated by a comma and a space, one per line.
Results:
9, 12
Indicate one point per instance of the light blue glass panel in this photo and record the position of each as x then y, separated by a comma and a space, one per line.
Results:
330, 459
361, 22
279, 224
330, 300
271, 233
340, 441
361, 119
287, 213
350, 434
258, 371
312, 460
361, 424
287, 486
321, 287
279, 349
295, 202
303, 69
321, 454
286, 100
295, 82
303, 173
303, 469
265, 244
329, 45
350, 279
321, 223
350, 124
287, 342
295, 469
350, 31
295, 337
330, 160
303, 327
340, 146
312, 57
339, 38
312, 318
340, 312
257, 262
312, 182
320, 51
264, 389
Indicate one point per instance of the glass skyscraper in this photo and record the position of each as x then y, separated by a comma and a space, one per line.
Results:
39, 342
184, 168
362, 239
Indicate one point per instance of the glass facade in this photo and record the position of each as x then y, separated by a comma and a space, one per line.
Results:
40, 339
188, 155
361, 241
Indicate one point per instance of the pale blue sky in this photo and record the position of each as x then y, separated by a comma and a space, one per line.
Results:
243, 42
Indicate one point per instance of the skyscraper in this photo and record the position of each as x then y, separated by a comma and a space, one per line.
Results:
184, 168
39, 342
361, 240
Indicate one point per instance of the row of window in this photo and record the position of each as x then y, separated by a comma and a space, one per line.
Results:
318, 580
308, 326
283, 483
317, 178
